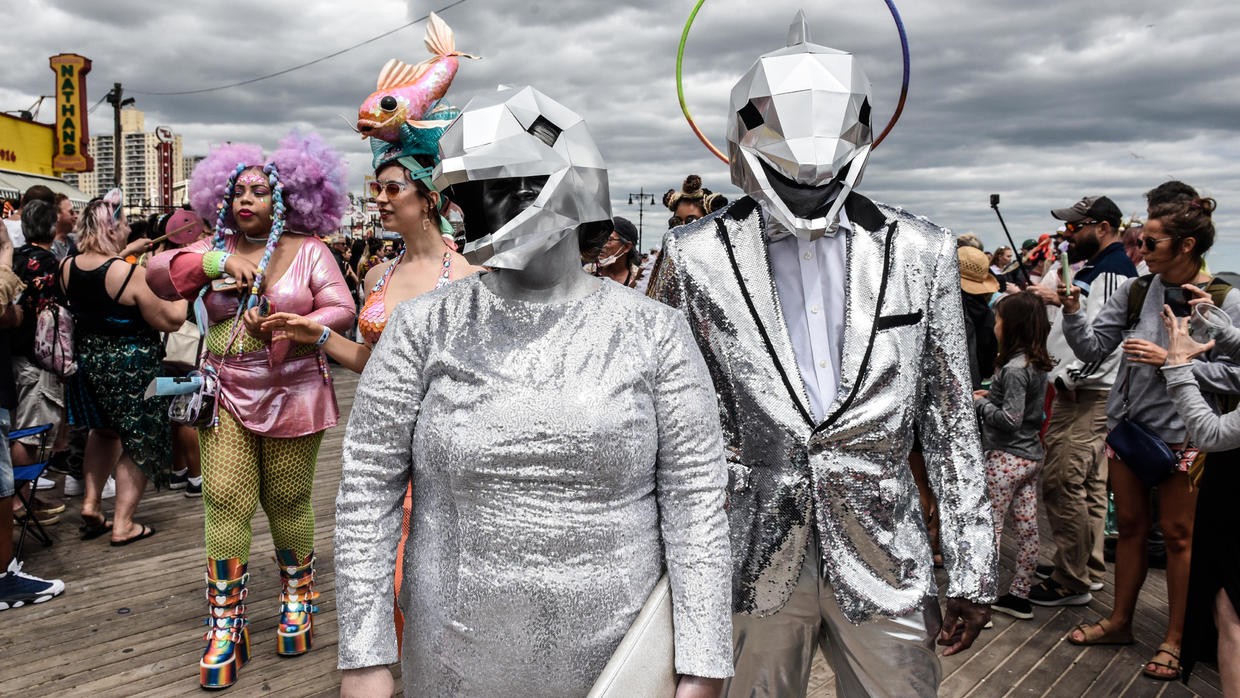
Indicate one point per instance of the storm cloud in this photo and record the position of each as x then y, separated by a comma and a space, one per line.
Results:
1043, 102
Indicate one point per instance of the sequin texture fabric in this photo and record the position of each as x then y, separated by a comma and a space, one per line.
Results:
560, 455
904, 365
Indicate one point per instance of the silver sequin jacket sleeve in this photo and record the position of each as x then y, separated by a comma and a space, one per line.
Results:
951, 443
377, 461
691, 478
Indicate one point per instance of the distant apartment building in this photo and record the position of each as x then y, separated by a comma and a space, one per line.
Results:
139, 165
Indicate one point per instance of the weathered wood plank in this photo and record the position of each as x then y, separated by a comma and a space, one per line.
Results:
81, 644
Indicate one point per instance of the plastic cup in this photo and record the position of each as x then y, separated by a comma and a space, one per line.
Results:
1207, 322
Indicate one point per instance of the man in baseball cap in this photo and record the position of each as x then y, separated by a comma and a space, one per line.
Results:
1091, 209
1075, 470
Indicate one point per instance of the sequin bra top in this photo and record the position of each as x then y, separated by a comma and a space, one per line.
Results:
373, 318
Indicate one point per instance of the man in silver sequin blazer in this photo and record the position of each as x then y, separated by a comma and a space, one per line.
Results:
833, 330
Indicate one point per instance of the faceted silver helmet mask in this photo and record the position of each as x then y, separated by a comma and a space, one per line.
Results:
523, 133
801, 132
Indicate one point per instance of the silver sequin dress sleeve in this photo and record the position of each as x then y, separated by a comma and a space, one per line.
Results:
692, 478
376, 469
561, 455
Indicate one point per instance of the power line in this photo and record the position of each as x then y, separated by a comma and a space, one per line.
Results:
298, 67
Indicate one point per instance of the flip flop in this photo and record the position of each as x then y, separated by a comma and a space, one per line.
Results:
147, 532
1173, 666
91, 530
1109, 636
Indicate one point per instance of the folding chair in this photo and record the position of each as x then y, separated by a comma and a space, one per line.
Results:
23, 474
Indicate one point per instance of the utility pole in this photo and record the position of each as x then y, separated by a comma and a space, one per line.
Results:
116, 99
642, 198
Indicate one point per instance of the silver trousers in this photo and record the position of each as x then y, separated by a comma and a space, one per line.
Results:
881, 657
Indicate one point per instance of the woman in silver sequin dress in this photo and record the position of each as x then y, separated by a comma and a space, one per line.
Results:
564, 446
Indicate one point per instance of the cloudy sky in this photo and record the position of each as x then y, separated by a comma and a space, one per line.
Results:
1043, 102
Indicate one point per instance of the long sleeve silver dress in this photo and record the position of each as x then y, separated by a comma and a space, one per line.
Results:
561, 455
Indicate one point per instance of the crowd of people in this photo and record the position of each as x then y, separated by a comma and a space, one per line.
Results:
1099, 316
795, 409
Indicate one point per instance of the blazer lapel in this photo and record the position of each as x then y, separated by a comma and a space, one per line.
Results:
741, 232
868, 263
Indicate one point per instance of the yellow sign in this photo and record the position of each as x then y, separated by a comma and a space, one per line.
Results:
26, 146
71, 133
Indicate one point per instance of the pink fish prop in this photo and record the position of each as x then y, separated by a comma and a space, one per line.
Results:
405, 92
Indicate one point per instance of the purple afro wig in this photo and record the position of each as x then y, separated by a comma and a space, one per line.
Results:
314, 179
312, 174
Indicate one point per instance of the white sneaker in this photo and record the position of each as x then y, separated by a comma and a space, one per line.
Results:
109, 489
73, 486
18, 588
1095, 586
44, 484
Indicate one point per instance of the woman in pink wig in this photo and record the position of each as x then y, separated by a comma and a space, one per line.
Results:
275, 395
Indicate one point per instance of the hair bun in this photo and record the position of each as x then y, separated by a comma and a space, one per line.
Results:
692, 184
1205, 204
668, 199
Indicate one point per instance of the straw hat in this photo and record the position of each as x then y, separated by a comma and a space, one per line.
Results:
975, 276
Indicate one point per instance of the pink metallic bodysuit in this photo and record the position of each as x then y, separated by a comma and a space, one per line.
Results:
275, 391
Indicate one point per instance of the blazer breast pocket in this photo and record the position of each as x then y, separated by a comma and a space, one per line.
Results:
888, 322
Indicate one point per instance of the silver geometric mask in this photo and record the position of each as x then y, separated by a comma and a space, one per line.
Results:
523, 133
801, 132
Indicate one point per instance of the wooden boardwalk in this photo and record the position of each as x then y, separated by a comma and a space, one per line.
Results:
130, 620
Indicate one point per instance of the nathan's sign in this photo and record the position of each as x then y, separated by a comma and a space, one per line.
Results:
71, 132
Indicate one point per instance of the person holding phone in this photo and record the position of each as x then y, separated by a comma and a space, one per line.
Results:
1176, 239
1074, 474
275, 394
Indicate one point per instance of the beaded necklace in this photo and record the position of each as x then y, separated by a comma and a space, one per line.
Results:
440, 283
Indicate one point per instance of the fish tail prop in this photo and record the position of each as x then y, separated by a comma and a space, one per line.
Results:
440, 40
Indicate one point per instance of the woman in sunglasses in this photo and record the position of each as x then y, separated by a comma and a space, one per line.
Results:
691, 202
1175, 240
411, 208
687, 205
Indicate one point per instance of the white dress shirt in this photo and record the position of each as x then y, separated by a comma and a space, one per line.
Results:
809, 276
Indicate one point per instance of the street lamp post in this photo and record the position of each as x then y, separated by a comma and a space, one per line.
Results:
642, 199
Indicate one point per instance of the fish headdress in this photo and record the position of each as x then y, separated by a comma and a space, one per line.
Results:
406, 95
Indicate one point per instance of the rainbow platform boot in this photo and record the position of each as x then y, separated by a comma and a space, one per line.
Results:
228, 640
295, 633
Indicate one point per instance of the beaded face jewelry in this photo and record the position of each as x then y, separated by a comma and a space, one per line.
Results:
251, 178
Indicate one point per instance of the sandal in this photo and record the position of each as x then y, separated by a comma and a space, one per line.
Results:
1108, 636
146, 532
1173, 666
92, 529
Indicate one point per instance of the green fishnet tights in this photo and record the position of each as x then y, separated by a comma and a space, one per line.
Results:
240, 470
